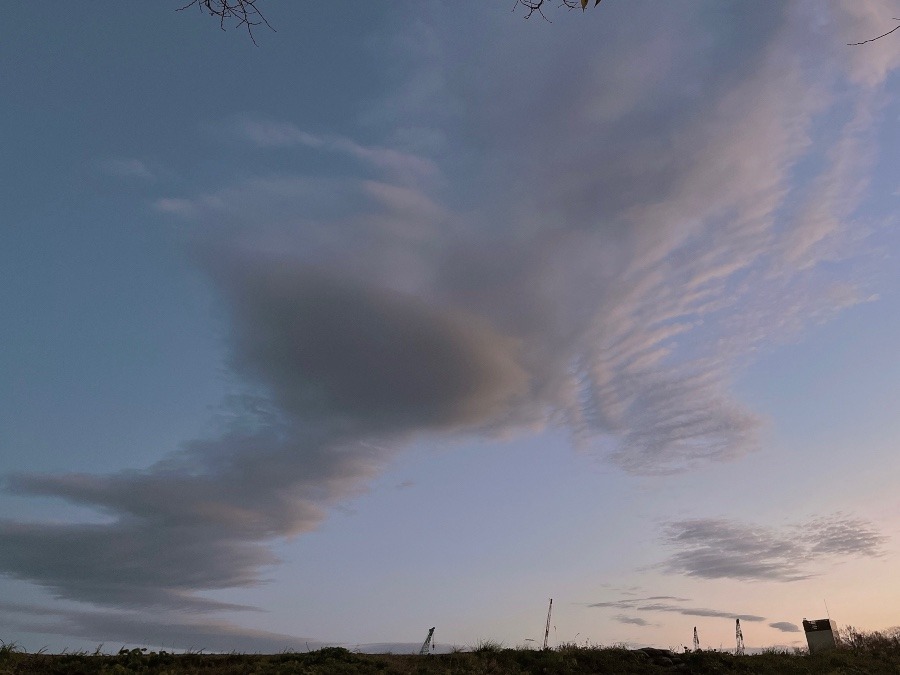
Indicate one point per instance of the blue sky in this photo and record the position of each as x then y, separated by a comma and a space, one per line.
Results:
412, 316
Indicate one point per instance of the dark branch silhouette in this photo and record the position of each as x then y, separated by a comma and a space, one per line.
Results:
532, 6
242, 12
854, 44
246, 13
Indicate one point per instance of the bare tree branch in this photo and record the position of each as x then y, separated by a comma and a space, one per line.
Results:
243, 12
854, 44
246, 13
532, 6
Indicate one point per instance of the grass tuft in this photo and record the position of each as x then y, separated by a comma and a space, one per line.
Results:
7, 649
487, 647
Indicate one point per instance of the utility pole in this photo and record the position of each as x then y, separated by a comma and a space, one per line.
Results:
547, 629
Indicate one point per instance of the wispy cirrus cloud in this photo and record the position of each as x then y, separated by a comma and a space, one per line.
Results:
127, 168
267, 133
720, 548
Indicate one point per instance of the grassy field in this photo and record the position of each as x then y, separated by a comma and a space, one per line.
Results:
873, 657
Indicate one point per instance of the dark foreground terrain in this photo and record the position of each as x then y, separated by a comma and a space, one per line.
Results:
483, 661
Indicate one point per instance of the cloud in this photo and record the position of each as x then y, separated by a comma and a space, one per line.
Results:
165, 631
660, 267
265, 133
719, 548
136, 564
637, 285
378, 360
674, 598
785, 627
602, 252
173, 631
840, 535
640, 605
272, 198
635, 621
341, 364
702, 612
271, 134
127, 168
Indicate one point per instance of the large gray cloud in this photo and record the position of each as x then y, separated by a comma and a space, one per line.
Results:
372, 358
719, 548
340, 363
129, 565
602, 251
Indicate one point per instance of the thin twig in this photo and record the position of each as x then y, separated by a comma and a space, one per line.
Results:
537, 6
854, 44
244, 12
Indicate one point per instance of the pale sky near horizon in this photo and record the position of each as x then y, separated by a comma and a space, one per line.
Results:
419, 314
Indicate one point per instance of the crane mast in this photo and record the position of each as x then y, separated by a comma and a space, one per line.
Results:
547, 629
424, 651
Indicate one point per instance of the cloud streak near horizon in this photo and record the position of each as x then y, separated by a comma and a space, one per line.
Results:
169, 631
643, 605
417, 296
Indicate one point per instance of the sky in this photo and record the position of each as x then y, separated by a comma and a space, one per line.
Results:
421, 314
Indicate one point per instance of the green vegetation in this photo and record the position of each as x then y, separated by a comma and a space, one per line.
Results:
874, 653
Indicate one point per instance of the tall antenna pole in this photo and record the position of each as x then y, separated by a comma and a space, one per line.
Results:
739, 638
696, 640
547, 629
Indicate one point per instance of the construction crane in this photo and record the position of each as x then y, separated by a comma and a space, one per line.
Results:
696, 640
547, 629
739, 638
427, 645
